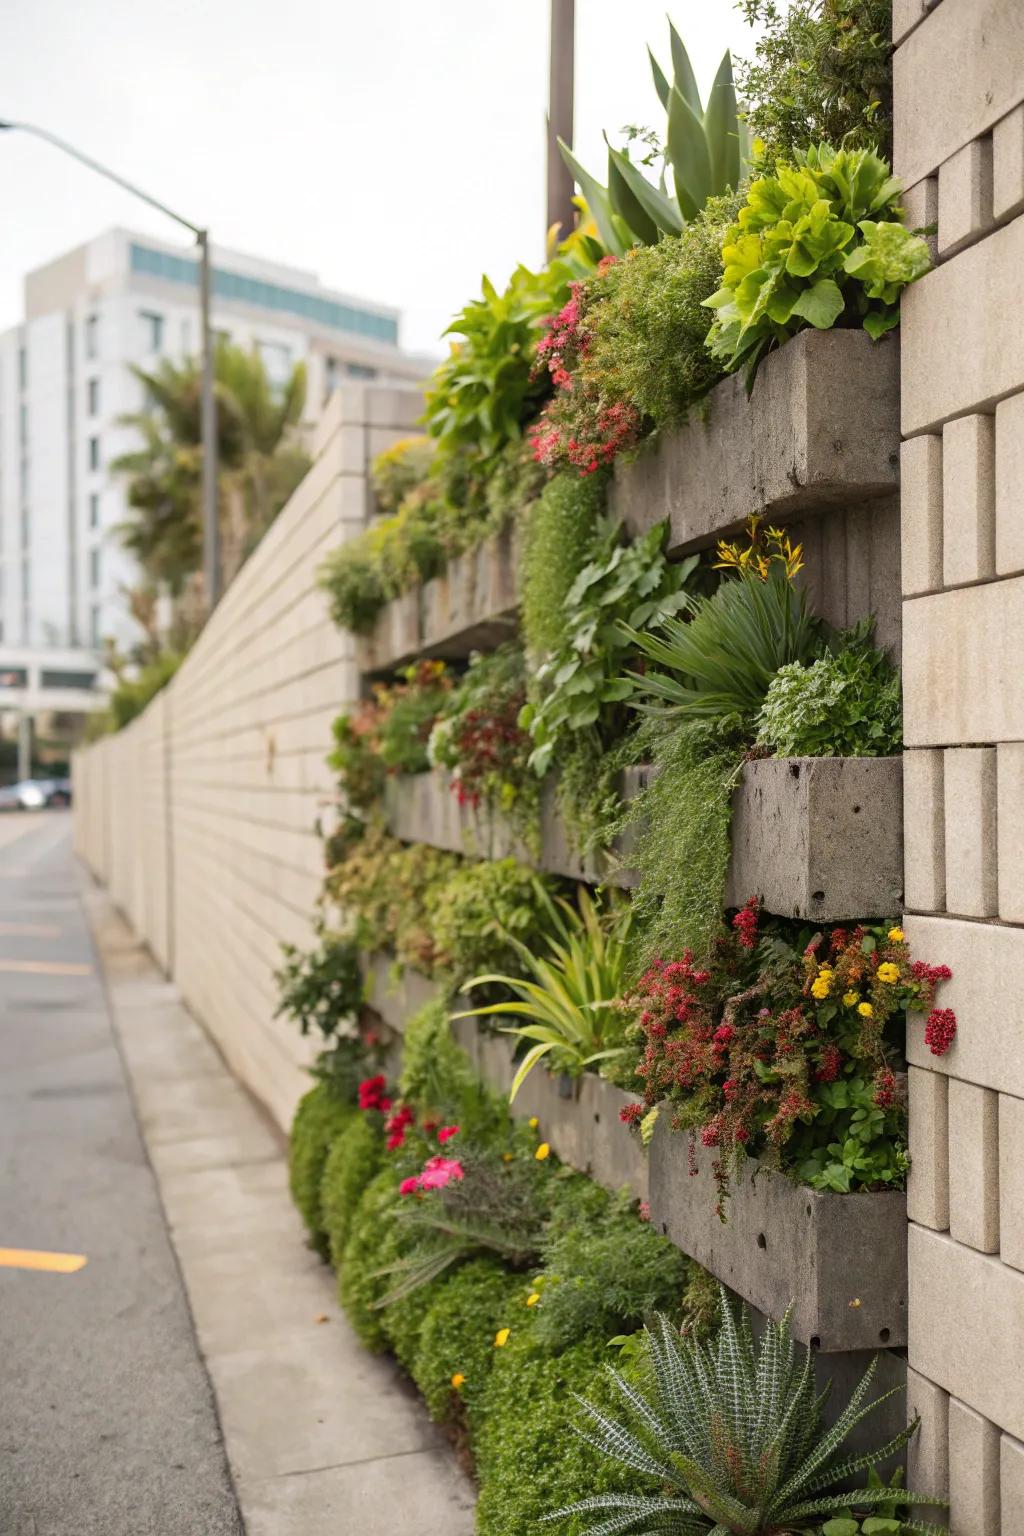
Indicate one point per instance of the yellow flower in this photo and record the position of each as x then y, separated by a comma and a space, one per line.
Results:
533, 1122
821, 988
542, 1152
533, 1298
865, 1010
895, 935
501, 1337
457, 1380
506, 1157
888, 973
849, 998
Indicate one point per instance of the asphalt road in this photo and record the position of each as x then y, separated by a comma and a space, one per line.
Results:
107, 1419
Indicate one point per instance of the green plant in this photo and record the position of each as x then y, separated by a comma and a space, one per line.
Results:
486, 913
321, 989
399, 470
621, 588
373, 1241
819, 243
732, 1431
320, 1118
132, 694
456, 1342
386, 889
477, 736
353, 1160
388, 557
705, 149
822, 69
558, 537
570, 992
844, 704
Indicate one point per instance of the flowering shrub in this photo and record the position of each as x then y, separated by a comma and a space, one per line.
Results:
478, 736
389, 732
784, 1055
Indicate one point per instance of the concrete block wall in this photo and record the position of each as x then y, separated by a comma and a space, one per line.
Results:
959, 146
201, 815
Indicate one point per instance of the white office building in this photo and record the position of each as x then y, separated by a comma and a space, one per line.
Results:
66, 380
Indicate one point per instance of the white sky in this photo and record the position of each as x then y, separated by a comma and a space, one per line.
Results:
395, 147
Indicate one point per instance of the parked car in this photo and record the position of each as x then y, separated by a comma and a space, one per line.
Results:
35, 794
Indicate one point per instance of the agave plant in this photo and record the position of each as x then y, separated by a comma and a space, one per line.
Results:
733, 1432
569, 994
705, 148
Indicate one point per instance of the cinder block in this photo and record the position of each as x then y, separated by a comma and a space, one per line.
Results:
973, 1472
928, 1186
968, 500
1010, 830
962, 678
987, 961
969, 775
965, 195
1008, 165
924, 830
928, 1452
921, 513
1011, 1487
921, 210
1009, 478
974, 1165
1011, 1180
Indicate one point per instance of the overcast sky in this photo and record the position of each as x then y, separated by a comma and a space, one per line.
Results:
395, 147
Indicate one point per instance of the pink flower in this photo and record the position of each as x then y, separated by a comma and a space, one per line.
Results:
439, 1171
446, 1133
409, 1186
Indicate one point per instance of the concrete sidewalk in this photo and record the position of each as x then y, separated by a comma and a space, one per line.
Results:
321, 1437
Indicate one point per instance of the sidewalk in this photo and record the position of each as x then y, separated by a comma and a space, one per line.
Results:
321, 1437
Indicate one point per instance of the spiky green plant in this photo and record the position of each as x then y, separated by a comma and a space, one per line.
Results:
733, 1431
570, 994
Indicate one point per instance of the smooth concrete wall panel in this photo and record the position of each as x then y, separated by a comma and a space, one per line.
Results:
987, 962
962, 678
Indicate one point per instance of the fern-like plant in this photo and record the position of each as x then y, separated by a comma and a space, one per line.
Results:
732, 1430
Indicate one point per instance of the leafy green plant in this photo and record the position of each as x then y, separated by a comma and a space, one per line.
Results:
131, 695
487, 912
844, 704
320, 1118
321, 989
732, 1431
389, 731
399, 470
373, 1241
387, 558
456, 1344
822, 69
353, 1160
622, 588
819, 243
555, 544
385, 889
705, 149
478, 737
570, 992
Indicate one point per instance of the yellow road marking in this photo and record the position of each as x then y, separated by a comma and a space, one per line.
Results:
45, 968
32, 930
29, 1258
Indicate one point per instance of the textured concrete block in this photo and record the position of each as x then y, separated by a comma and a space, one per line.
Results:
921, 513
1008, 165
394, 407
974, 1165
397, 636
974, 47
819, 837
1011, 1486
840, 1259
396, 998
987, 961
1011, 1180
965, 196
928, 1185
962, 678
819, 430
921, 211
969, 777
967, 1325
351, 447
968, 499
1010, 830
924, 830
973, 1472
928, 1452
1009, 485
905, 16
617, 1157
960, 351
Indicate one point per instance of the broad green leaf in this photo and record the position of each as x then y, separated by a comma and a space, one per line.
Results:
597, 201
624, 201
685, 81
722, 129
821, 305
688, 155
659, 209
661, 85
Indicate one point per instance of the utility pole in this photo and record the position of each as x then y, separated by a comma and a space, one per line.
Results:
560, 114
208, 405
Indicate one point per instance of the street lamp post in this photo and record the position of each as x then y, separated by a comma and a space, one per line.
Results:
208, 402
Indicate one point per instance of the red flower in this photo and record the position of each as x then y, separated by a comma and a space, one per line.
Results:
885, 1088
409, 1186
745, 923
631, 1114
446, 1133
940, 1030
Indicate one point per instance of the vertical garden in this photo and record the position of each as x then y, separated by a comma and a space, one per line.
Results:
608, 1142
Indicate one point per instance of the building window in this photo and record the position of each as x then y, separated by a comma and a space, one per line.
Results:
94, 453
152, 330
92, 336
94, 568
94, 397
277, 360
22, 368
26, 527
23, 425
23, 479
94, 510
94, 625
57, 678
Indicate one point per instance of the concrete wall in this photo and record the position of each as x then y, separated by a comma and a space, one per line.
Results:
201, 815
959, 136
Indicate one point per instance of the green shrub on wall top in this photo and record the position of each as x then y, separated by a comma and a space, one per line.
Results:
319, 1119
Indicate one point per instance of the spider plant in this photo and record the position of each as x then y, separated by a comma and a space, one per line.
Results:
717, 666
732, 1430
569, 994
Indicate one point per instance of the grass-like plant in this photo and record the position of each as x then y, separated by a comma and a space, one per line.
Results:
569, 995
732, 1431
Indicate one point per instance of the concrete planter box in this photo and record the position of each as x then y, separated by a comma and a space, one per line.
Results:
841, 1260
820, 430
819, 837
472, 606
396, 999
